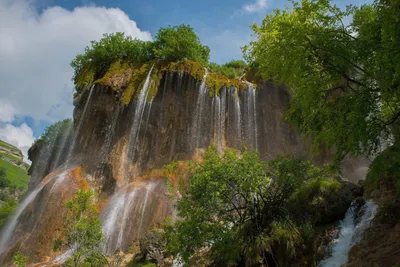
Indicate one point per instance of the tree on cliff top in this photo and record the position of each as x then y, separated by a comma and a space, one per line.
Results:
172, 43
180, 42
345, 79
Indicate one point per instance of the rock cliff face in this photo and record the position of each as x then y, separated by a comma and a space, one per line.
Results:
119, 151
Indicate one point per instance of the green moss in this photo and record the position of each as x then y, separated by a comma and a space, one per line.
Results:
135, 84
385, 166
85, 78
194, 69
155, 79
117, 68
215, 80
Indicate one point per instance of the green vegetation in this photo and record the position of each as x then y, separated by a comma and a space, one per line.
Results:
233, 69
16, 176
7, 208
14, 181
172, 44
180, 42
385, 166
20, 260
56, 136
249, 212
9, 146
82, 232
345, 79
122, 63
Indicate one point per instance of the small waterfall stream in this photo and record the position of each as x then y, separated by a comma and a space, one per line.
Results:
199, 113
124, 215
64, 141
138, 116
8, 229
349, 235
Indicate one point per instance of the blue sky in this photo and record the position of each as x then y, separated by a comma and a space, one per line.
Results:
40, 37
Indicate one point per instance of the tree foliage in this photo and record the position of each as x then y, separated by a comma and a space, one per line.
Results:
345, 79
172, 43
180, 42
83, 234
233, 69
243, 209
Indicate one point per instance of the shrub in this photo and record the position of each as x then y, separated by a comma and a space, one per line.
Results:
240, 208
385, 166
178, 43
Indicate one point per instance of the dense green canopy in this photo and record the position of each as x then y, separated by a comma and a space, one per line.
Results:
172, 43
345, 77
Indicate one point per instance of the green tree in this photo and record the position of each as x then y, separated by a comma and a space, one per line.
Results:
83, 232
345, 78
180, 42
110, 48
241, 208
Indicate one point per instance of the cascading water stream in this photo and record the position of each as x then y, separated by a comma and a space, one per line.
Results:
349, 235
238, 115
198, 113
67, 134
8, 229
124, 212
138, 116
78, 128
250, 117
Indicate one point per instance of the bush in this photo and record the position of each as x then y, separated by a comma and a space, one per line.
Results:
178, 43
172, 43
385, 166
233, 69
111, 48
240, 208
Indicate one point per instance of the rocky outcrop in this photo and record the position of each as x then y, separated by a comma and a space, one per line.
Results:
119, 151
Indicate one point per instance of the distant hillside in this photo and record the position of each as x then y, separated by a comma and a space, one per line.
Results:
14, 179
12, 161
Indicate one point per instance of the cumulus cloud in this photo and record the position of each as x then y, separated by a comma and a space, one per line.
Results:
35, 51
257, 6
19, 136
7, 112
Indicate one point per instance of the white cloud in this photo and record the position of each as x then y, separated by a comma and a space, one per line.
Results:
35, 51
7, 112
19, 136
257, 6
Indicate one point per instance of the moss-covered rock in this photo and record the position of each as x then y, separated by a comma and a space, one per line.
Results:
127, 79
385, 166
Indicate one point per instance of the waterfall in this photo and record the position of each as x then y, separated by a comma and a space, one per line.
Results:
138, 116
219, 111
125, 213
349, 235
250, 118
109, 135
237, 116
199, 114
63, 144
79, 126
8, 229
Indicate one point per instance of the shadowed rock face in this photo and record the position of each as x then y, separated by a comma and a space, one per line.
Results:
180, 119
